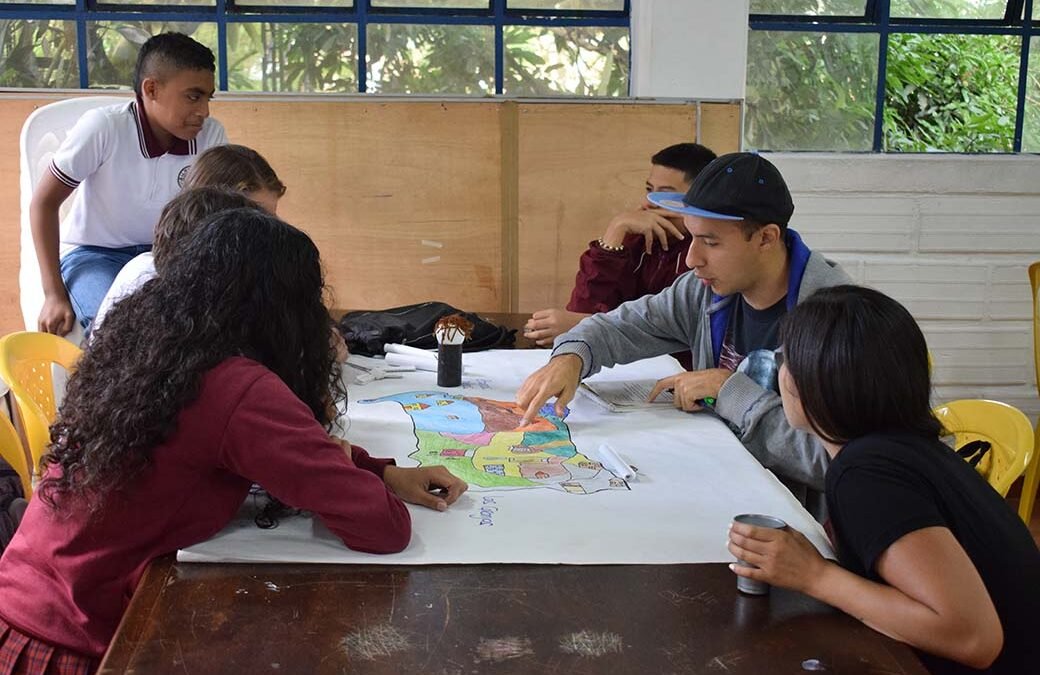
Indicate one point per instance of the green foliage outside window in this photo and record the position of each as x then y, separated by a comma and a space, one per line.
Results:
943, 92
311, 57
38, 54
811, 91
951, 92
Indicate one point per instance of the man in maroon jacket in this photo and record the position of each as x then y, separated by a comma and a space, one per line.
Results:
641, 252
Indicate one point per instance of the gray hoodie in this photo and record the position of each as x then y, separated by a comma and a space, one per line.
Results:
678, 318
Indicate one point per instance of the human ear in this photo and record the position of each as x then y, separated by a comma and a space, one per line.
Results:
770, 234
149, 87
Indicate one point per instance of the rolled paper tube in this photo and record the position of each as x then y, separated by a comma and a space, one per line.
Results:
449, 365
609, 458
393, 348
418, 362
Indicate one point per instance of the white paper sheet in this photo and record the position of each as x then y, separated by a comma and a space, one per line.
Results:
694, 476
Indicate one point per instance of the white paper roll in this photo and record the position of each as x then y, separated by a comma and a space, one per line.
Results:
419, 362
394, 348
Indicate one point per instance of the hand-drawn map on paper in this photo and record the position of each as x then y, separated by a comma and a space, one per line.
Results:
538, 493
481, 442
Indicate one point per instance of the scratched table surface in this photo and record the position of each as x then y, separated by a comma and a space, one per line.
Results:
194, 618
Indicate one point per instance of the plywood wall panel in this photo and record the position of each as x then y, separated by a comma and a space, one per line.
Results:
402, 198
578, 166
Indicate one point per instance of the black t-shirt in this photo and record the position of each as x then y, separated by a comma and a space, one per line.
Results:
884, 486
751, 338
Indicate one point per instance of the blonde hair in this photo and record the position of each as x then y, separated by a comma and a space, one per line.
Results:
236, 167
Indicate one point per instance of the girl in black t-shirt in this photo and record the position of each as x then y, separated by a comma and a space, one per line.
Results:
929, 553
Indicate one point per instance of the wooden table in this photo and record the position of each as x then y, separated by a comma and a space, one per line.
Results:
192, 618
218, 618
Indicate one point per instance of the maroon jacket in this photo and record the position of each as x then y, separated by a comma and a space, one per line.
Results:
606, 279
67, 579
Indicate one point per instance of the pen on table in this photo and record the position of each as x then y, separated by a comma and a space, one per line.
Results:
707, 400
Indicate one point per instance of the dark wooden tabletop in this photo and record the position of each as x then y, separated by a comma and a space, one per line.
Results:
455, 620
201, 618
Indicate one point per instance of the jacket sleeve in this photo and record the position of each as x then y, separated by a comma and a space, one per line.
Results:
648, 326
273, 439
605, 279
757, 417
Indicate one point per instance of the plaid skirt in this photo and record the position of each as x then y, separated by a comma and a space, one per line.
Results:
23, 655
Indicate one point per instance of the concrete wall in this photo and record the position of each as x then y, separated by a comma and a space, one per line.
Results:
949, 236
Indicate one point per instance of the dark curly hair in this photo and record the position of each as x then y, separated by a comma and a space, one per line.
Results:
244, 283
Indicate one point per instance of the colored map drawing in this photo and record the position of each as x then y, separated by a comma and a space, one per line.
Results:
481, 442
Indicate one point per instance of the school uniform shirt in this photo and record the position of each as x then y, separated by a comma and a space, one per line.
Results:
123, 175
134, 274
884, 486
67, 577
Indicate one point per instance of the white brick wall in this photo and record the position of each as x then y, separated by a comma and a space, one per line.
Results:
949, 236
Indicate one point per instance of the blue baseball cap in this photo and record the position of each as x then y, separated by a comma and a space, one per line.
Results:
737, 186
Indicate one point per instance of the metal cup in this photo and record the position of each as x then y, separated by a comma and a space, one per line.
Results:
751, 586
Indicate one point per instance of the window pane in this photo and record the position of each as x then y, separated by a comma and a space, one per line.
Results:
597, 5
1031, 124
574, 61
112, 47
38, 54
953, 93
810, 91
196, 3
810, 7
246, 4
431, 59
949, 9
439, 4
300, 57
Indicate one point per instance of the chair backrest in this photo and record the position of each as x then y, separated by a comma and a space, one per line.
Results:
42, 134
1005, 427
25, 365
14, 454
1034, 280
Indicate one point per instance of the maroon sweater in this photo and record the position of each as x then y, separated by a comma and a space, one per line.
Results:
606, 279
67, 579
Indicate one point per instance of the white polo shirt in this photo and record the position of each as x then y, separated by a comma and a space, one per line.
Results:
123, 175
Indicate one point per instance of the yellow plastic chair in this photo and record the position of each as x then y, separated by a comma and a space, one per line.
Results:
14, 454
1025, 504
1005, 427
25, 365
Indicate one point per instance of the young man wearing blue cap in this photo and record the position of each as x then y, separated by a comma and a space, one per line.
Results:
748, 269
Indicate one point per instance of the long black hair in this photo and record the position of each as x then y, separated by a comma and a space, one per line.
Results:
244, 283
860, 364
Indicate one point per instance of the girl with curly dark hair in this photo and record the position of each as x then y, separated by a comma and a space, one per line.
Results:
213, 376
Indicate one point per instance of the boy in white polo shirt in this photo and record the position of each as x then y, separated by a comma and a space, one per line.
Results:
127, 160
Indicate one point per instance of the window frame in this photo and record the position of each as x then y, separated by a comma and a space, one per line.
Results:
877, 19
226, 12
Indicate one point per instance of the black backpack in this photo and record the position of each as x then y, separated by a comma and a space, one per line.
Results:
365, 332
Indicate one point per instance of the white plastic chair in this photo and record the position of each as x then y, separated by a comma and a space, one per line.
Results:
42, 134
